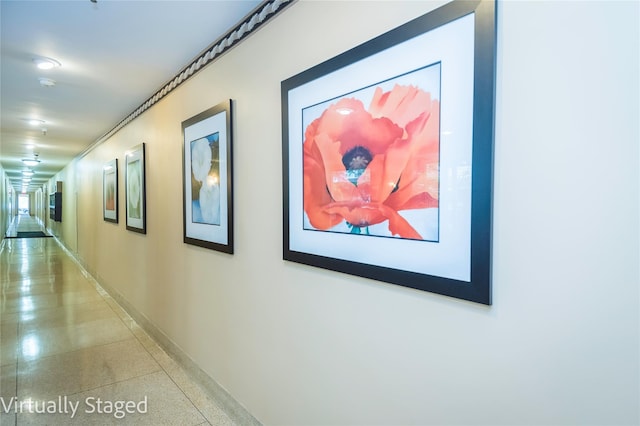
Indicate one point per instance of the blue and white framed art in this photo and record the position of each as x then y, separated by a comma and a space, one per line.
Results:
208, 179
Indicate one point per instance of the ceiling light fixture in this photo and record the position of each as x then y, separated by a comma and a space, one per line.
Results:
46, 82
31, 162
34, 121
46, 63
27, 172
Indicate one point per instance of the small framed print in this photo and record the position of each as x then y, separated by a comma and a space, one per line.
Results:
207, 179
135, 189
110, 191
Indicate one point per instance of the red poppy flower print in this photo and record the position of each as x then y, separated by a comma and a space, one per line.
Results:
364, 166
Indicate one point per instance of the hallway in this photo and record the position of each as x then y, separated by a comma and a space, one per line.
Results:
71, 355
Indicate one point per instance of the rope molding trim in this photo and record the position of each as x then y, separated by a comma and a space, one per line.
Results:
254, 20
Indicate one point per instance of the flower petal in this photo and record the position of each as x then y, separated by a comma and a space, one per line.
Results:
348, 122
315, 191
358, 214
401, 105
373, 214
413, 109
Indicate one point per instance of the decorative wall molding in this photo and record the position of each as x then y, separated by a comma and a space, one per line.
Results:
263, 13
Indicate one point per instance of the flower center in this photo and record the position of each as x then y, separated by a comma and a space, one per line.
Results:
355, 162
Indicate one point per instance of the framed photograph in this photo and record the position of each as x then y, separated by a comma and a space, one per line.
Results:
207, 179
135, 189
110, 191
388, 156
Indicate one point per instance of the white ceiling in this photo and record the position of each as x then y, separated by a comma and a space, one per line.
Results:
115, 54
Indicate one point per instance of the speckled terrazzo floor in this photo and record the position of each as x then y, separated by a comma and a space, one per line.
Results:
71, 355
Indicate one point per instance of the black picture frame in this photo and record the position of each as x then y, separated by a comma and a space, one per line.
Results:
207, 178
55, 206
110, 191
431, 172
136, 189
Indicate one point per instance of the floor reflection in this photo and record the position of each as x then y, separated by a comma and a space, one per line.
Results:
62, 336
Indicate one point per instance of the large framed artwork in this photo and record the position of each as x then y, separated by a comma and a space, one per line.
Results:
388, 156
110, 191
135, 189
207, 179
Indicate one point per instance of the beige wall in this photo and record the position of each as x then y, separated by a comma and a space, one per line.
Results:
5, 214
300, 345
67, 229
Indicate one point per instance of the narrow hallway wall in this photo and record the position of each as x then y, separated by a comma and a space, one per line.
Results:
301, 345
5, 214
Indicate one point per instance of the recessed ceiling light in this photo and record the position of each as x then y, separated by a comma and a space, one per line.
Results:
46, 82
34, 121
27, 172
30, 162
46, 63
